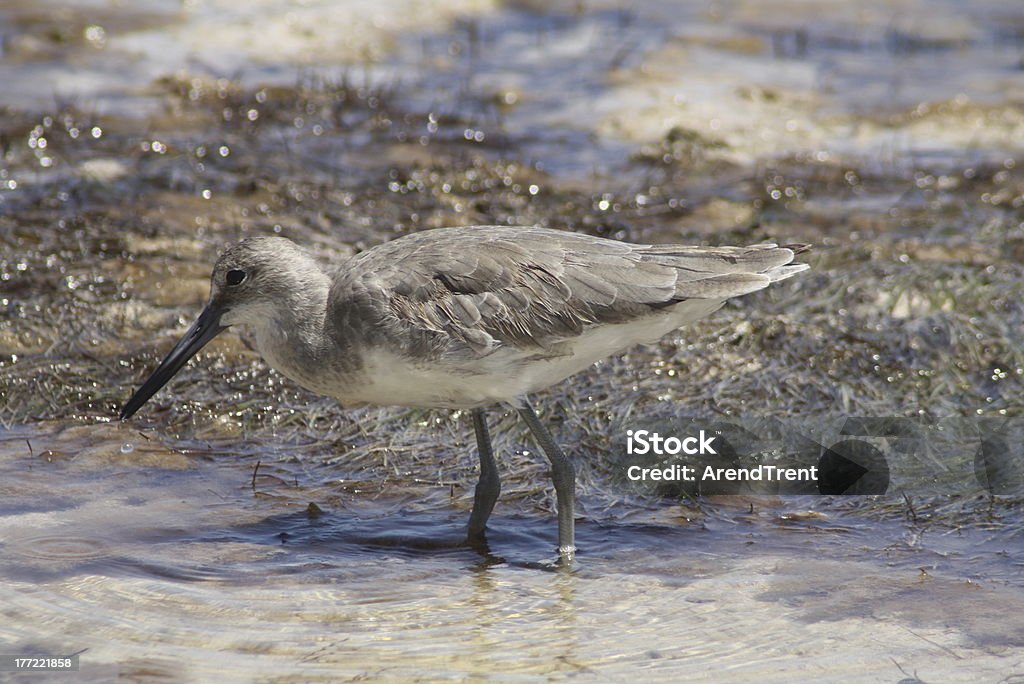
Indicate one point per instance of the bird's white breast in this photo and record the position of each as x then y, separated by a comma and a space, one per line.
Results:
508, 373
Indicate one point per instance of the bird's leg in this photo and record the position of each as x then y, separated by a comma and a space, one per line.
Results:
564, 477
489, 486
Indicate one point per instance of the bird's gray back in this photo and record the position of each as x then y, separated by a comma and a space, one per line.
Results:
467, 291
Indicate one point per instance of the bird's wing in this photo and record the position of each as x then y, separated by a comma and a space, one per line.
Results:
491, 285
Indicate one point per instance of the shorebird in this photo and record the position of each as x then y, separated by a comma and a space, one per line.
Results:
465, 318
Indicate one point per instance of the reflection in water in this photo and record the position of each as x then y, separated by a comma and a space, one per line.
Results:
228, 581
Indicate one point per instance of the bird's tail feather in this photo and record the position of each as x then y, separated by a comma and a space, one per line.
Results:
782, 272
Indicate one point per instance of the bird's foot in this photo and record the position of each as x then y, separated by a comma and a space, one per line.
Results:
566, 554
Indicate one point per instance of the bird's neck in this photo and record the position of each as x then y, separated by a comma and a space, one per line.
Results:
294, 340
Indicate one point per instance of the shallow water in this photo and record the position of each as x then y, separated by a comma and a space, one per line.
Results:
187, 567
241, 529
581, 82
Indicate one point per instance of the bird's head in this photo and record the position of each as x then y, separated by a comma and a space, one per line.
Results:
252, 282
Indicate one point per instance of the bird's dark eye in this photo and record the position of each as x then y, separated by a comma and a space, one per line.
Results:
235, 277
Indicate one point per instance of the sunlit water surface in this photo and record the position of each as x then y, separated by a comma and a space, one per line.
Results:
162, 564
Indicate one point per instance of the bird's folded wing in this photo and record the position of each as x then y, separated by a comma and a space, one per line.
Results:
488, 286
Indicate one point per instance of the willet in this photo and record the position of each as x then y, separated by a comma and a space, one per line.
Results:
465, 318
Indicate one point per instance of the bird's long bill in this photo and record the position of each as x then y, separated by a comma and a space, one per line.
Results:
206, 327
